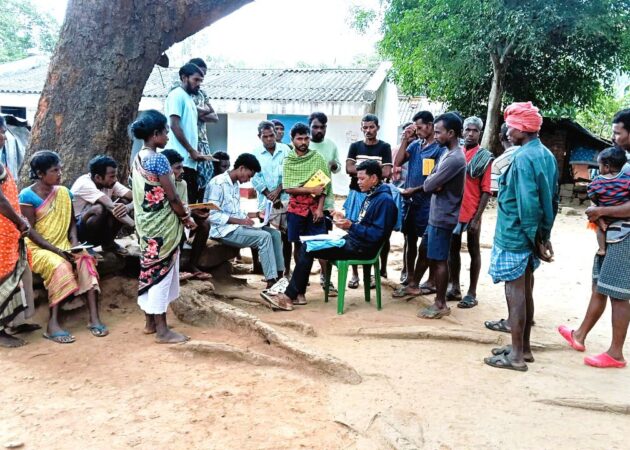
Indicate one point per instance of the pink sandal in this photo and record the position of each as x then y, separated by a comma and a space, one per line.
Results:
604, 361
567, 334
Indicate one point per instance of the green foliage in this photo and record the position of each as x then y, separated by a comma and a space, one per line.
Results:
598, 117
362, 19
555, 53
22, 28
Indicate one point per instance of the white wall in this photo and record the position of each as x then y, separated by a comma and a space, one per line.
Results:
242, 138
242, 127
343, 131
243, 133
290, 107
151, 103
387, 112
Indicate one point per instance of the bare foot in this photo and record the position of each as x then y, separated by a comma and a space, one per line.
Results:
171, 337
8, 341
149, 326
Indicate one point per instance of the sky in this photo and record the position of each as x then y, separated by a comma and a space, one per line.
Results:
315, 33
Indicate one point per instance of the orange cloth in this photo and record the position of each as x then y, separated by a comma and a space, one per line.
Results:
523, 116
9, 234
592, 226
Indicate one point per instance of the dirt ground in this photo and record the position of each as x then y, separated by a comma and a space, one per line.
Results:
124, 391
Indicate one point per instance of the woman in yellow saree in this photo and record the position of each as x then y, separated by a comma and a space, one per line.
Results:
48, 208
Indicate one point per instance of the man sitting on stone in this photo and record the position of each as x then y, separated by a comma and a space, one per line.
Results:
102, 205
231, 226
365, 237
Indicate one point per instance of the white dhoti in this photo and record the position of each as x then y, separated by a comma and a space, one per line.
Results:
157, 298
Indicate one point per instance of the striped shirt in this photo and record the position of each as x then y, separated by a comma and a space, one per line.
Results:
612, 191
359, 151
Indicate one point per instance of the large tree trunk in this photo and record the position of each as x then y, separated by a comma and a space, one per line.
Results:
105, 54
493, 119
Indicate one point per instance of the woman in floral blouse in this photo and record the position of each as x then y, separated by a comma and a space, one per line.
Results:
160, 218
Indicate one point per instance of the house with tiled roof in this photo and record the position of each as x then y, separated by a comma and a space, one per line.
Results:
244, 97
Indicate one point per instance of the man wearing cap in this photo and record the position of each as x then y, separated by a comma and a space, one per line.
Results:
527, 208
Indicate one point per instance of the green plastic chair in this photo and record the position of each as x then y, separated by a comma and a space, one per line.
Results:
342, 275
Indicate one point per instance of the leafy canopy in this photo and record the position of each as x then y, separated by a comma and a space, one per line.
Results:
22, 28
552, 52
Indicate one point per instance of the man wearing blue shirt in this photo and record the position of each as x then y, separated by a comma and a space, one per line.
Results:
183, 136
417, 202
268, 182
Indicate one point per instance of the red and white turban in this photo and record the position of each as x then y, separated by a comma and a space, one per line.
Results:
524, 117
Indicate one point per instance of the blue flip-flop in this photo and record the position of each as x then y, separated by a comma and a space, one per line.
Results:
98, 330
57, 335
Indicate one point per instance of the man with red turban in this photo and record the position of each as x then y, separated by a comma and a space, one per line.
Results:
527, 208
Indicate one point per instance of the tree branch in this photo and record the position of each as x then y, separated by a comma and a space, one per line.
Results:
506, 52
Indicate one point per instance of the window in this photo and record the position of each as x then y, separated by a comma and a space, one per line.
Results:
288, 120
218, 134
14, 111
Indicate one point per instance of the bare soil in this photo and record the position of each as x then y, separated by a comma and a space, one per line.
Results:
125, 391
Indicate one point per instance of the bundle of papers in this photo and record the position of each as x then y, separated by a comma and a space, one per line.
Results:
335, 234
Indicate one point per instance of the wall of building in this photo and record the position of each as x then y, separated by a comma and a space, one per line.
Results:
344, 126
242, 133
343, 131
291, 107
387, 112
28, 101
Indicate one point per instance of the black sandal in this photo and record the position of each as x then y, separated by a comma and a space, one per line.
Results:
506, 350
468, 302
453, 296
502, 361
425, 289
498, 325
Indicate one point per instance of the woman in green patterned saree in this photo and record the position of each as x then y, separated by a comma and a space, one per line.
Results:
160, 219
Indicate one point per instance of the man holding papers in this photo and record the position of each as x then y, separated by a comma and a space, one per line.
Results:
233, 226
363, 240
306, 178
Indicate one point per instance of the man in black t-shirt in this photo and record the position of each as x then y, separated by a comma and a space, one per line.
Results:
370, 148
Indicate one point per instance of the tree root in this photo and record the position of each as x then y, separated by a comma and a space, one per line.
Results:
196, 309
541, 347
385, 429
587, 404
302, 327
420, 332
228, 351
391, 429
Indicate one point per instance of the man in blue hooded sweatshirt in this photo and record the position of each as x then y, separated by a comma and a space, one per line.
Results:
365, 237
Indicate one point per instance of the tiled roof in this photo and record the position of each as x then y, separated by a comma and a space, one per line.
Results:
306, 85
408, 106
30, 81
